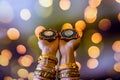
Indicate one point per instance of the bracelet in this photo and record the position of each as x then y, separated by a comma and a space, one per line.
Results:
48, 57
68, 65
44, 74
47, 68
69, 74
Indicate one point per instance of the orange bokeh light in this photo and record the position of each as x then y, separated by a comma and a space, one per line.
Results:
21, 49
6, 53
94, 52
4, 60
65, 4
92, 63
117, 67
80, 25
104, 24
96, 38
25, 61
116, 46
13, 34
22, 73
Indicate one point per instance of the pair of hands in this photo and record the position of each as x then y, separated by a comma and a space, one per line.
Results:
66, 48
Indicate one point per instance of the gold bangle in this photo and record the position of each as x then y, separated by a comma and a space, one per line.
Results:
49, 57
69, 74
68, 65
44, 74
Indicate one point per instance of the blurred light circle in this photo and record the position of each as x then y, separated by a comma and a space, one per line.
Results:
117, 57
78, 64
26, 60
8, 78
104, 24
80, 25
117, 1
67, 26
6, 12
117, 67
46, 3
22, 73
25, 14
90, 12
96, 38
6, 53
92, 63
119, 17
116, 46
21, 49
94, 3
4, 61
13, 34
38, 30
30, 76
65, 4
94, 52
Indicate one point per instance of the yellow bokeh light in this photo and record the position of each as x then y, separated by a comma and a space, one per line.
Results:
116, 46
30, 76
46, 3
22, 73
117, 57
94, 52
80, 25
38, 30
79, 65
25, 61
119, 17
94, 3
90, 12
96, 38
65, 4
13, 34
92, 63
4, 61
21, 49
67, 26
117, 67
8, 78
25, 14
117, 1
104, 24
6, 53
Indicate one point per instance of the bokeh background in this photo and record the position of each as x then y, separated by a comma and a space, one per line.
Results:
98, 23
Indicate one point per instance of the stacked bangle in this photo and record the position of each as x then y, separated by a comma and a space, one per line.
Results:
68, 65
46, 67
68, 70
